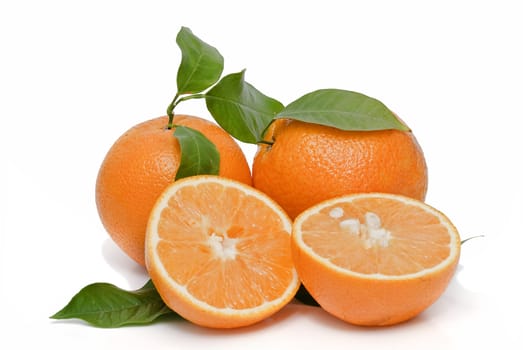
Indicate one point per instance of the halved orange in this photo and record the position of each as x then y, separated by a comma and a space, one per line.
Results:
374, 259
218, 251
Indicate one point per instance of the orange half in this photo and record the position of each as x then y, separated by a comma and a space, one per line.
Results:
218, 251
375, 259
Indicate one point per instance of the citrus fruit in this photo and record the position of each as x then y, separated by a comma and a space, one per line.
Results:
138, 167
218, 252
374, 259
308, 163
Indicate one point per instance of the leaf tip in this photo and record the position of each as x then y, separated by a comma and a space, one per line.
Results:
402, 126
59, 315
184, 29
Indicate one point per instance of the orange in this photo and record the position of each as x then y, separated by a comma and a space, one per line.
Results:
138, 167
218, 252
374, 259
308, 163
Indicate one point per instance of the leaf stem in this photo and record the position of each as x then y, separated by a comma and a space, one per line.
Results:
189, 97
176, 100
270, 143
170, 111
467, 239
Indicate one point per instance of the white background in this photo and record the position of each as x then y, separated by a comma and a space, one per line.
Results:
74, 75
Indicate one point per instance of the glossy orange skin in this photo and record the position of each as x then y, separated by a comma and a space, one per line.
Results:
308, 163
140, 165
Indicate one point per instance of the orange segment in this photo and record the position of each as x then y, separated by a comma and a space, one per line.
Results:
374, 259
218, 251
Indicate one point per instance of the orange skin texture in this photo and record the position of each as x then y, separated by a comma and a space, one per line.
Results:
366, 301
309, 163
140, 165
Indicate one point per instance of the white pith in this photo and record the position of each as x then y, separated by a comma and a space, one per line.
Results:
223, 247
369, 231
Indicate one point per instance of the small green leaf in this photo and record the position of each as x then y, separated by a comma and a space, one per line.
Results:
240, 109
346, 110
201, 65
105, 305
198, 154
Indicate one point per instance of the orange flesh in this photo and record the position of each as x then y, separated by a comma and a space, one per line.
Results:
232, 255
413, 233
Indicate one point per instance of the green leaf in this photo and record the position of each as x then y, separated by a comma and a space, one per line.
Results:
198, 154
240, 109
105, 305
201, 65
346, 110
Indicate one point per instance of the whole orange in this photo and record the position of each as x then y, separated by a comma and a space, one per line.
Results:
141, 164
306, 163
